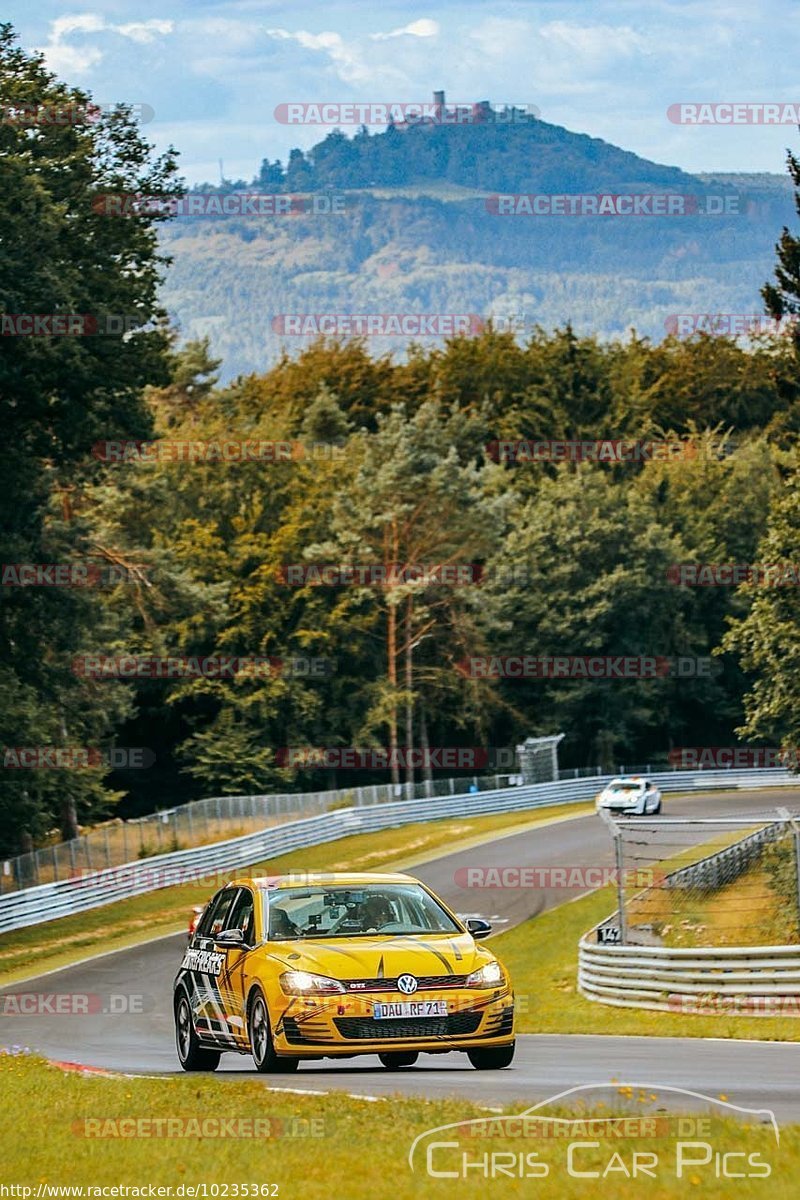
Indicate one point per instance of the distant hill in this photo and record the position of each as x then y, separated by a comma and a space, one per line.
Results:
420, 234
522, 155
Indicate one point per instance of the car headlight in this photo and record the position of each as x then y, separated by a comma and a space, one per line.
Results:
303, 983
486, 976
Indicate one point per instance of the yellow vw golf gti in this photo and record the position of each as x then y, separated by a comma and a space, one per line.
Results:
330, 966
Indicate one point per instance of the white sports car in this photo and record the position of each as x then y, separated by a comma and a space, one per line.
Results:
630, 794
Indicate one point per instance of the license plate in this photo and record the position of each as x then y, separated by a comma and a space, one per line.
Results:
409, 1008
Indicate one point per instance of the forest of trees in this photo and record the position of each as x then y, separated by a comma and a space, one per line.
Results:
390, 462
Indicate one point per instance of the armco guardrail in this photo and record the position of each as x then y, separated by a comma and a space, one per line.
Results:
750, 979
201, 822
93, 889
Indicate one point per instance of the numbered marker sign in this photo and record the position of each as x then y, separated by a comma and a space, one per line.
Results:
609, 935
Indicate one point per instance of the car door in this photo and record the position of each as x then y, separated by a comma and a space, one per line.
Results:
241, 916
206, 967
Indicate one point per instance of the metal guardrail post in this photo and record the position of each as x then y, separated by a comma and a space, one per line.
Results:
613, 829
618, 852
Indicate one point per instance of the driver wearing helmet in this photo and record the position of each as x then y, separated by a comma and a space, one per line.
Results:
375, 913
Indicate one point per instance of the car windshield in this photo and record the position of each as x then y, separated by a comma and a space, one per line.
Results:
385, 909
626, 786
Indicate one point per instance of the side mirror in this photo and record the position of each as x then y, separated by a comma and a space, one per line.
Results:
478, 927
230, 937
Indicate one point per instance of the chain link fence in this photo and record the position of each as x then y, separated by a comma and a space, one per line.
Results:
206, 821
689, 883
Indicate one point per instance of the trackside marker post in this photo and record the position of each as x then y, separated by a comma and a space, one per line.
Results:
617, 836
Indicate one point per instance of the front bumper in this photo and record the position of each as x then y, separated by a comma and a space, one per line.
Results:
344, 1025
623, 806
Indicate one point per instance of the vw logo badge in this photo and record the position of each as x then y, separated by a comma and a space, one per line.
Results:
407, 984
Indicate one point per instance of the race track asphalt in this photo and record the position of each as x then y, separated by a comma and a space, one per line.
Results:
752, 1074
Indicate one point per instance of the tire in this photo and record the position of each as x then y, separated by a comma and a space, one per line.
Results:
491, 1058
399, 1058
261, 1045
191, 1054
657, 808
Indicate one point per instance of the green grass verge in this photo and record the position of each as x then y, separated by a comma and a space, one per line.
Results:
542, 956
751, 911
360, 1149
26, 952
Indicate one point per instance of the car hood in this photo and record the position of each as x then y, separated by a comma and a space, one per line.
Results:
376, 957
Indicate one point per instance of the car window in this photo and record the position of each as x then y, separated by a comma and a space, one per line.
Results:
242, 916
355, 912
204, 923
213, 919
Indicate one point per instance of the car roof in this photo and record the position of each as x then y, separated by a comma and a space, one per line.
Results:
626, 779
322, 878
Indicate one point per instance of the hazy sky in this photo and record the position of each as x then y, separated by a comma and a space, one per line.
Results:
215, 70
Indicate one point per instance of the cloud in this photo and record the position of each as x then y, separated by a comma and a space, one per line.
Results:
423, 28
599, 43
144, 31
345, 58
66, 61
76, 23
66, 58
409, 52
